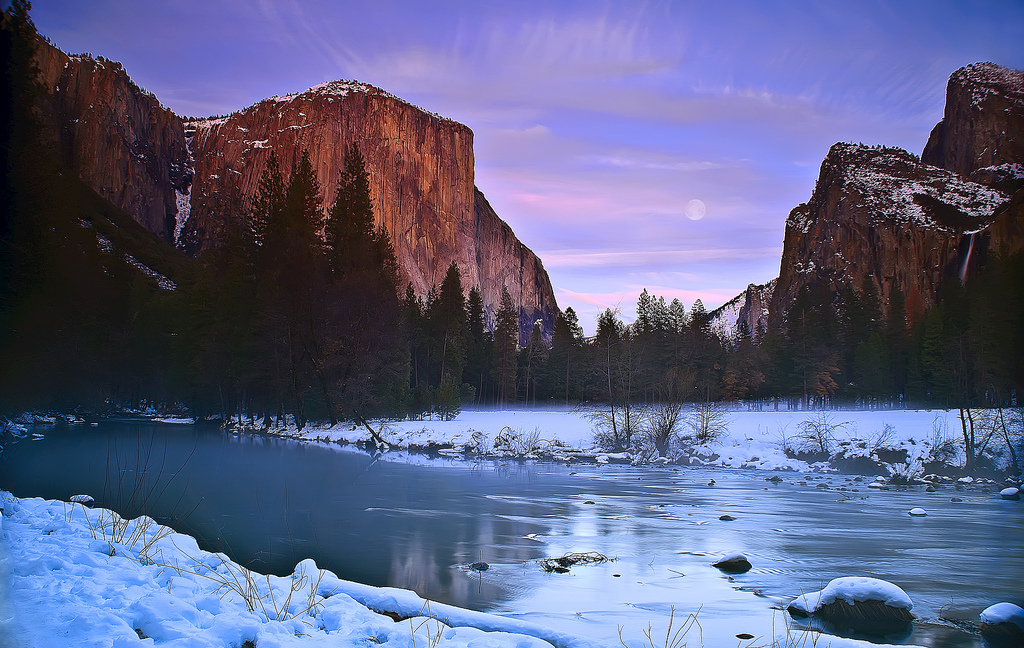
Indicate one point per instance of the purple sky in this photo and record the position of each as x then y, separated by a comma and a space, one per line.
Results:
598, 124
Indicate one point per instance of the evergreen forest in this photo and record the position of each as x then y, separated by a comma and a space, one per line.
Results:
297, 310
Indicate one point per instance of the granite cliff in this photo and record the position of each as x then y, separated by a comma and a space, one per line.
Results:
884, 214
174, 176
750, 307
421, 182
981, 135
117, 137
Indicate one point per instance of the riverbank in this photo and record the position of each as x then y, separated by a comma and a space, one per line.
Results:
901, 445
74, 575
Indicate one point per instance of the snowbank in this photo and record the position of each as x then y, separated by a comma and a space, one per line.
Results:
75, 576
898, 444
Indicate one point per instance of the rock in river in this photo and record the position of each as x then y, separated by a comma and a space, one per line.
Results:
1002, 624
734, 563
868, 605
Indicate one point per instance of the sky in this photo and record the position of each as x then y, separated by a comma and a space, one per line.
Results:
631, 145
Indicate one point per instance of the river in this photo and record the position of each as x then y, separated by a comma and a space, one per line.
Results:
414, 522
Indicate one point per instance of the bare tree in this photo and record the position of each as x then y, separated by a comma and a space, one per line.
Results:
706, 422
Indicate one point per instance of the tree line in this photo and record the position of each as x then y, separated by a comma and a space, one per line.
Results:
296, 310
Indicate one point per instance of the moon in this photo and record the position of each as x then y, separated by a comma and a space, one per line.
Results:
695, 209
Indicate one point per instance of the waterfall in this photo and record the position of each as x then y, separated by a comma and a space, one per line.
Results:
967, 259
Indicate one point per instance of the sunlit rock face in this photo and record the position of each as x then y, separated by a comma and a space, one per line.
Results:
421, 182
178, 178
981, 135
880, 212
116, 136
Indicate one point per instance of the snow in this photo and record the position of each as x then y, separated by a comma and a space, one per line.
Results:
1003, 613
984, 79
61, 565
889, 183
184, 205
918, 512
752, 440
71, 575
98, 580
161, 280
174, 420
853, 589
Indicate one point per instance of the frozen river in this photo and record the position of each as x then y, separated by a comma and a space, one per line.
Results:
416, 523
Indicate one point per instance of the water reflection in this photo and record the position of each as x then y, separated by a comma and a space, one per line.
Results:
270, 503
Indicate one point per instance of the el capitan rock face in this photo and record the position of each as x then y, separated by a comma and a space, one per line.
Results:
175, 177
880, 212
981, 135
421, 183
117, 137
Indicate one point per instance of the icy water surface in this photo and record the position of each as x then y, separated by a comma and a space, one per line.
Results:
415, 523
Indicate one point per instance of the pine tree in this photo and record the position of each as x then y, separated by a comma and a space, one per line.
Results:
506, 343
479, 343
565, 357
350, 230
448, 321
293, 288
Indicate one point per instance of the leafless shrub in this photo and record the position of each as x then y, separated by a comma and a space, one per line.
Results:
818, 433
664, 421
706, 423
883, 438
616, 427
941, 448
517, 442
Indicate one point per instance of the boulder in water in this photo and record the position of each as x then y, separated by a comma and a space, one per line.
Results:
1010, 493
868, 605
734, 563
1002, 625
917, 512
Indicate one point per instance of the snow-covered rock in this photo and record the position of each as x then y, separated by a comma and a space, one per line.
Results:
1003, 613
1010, 493
733, 563
1002, 624
917, 511
866, 604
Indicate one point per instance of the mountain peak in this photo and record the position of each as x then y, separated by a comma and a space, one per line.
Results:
982, 126
988, 78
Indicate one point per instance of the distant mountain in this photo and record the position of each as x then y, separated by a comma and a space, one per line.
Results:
175, 177
750, 307
882, 215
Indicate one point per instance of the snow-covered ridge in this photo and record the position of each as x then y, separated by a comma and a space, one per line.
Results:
329, 90
891, 184
725, 320
984, 79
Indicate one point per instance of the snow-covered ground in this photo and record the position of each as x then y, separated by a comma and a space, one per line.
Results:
896, 441
76, 576
72, 575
